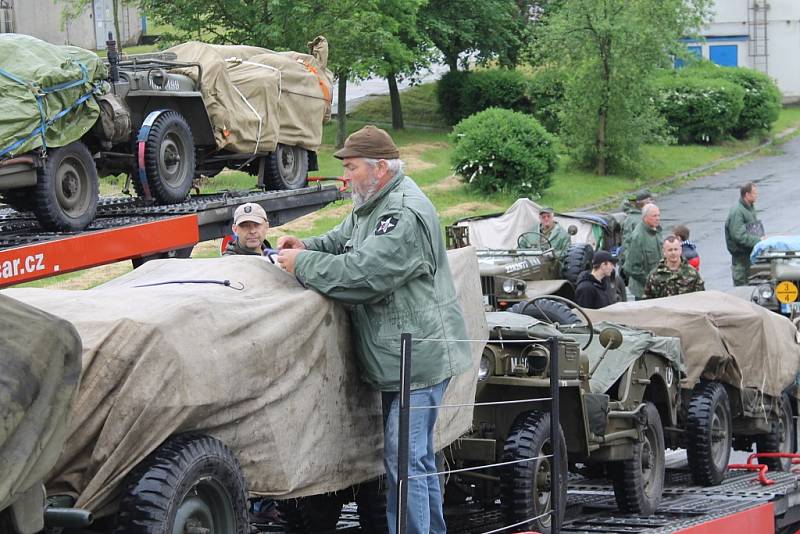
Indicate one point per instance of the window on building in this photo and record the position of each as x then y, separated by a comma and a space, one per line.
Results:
6, 19
724, 55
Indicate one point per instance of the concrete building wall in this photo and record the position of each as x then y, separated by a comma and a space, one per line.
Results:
43, 19
766, 35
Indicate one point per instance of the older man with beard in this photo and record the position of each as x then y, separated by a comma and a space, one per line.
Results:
387, 260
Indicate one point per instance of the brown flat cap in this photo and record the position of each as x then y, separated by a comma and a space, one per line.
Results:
369, 142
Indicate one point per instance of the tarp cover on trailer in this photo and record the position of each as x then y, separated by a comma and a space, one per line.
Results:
60, 76
264, 365
257, 98
40, 364
722, 337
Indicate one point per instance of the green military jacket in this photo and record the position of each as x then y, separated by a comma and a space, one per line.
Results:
235, 249
664, 282
558, 237
742, 229
643, 252
387, 259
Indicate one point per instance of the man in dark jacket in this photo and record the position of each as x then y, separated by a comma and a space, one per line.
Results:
742, 231
592, 290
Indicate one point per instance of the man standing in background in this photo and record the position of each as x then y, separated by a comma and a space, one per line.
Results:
742, 231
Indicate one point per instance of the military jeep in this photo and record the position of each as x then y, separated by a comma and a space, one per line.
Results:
617, 392
775, 275
517, 264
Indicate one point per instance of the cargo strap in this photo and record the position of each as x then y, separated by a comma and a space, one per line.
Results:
40, 94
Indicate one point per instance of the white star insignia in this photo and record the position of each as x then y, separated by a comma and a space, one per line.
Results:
385, 226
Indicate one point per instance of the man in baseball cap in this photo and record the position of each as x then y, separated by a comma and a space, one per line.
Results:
592, 289
250, 226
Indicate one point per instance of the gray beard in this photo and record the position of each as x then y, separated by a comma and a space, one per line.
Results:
363, 193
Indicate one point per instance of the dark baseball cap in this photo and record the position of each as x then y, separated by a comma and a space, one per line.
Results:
643, 195
546, 209
369, 142
602, 256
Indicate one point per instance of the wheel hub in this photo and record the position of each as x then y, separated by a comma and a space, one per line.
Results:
171, 159
70, 187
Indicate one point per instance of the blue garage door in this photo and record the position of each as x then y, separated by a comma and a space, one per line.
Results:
693, 50
724, 55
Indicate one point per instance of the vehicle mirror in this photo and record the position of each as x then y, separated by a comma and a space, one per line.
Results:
610, 338
572, 229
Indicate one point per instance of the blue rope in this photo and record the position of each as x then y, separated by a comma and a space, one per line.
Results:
40, 93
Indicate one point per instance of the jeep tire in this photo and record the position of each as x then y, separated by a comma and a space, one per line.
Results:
371, 502
526, 487
577, 258
639, 482
67, 189
548, 311
780, 439
708, 433
287, 167
316, 514
189, 482
169, 159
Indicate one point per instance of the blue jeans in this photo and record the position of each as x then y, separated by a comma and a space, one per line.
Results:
424, 494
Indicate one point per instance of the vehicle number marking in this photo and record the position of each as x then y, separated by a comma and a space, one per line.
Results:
786, 292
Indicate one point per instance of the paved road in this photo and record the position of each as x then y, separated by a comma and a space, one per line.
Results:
357, 91
703, 206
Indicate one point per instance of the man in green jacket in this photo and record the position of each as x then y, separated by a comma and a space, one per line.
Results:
550, 234
742, 231
644, 250
387, 260
250, 225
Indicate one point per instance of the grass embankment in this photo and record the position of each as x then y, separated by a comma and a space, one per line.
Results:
426, 150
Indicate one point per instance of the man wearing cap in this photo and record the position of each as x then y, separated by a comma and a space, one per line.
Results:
250, 226
592, 290
644, 249
673, 275
387, 260
550, 234
633, 210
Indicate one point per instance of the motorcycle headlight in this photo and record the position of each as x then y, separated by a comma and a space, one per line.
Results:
485, 369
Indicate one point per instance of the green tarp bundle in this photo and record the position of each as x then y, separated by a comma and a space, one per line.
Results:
45, 87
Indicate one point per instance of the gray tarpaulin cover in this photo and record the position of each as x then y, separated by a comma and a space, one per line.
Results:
268, 369
40, 364
501, 232
722, 337
257, 98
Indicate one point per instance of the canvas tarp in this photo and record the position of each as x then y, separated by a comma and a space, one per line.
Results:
40, 364
502, 231
264, 365
722, 337
257, 98
60, 76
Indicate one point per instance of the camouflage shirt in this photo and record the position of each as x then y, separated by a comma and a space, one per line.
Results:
664, 282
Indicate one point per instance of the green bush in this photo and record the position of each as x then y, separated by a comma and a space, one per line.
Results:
762, 98
699, 110
504, 150
448, 94
462, 94
546, 93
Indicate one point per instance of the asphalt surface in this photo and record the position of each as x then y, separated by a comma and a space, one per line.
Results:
703, 206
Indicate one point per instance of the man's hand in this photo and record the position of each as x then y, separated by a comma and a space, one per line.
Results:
287, 258
290, 242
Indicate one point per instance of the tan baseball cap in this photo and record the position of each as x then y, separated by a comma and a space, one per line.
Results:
249, 212
369, 142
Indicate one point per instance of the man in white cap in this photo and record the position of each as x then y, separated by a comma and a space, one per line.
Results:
250, 225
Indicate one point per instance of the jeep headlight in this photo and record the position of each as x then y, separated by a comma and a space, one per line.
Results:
533, 360
486, 368
512, 286
765, 292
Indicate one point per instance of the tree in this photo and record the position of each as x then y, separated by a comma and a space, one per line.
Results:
483, 27
73, 8
360, 32
608, 51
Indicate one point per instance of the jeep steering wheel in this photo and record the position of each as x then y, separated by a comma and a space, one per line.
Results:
524, 238
569, 304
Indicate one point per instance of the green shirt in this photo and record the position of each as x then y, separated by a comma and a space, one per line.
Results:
664, 282
557, 237
742, 229
643, 252
388, 260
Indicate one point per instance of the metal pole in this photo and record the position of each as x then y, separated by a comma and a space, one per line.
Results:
402, 444
555, 435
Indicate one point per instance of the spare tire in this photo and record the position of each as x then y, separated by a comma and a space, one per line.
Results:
577, 259
548, 311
